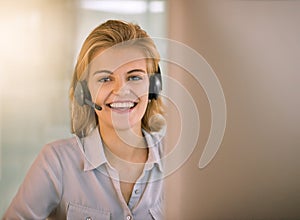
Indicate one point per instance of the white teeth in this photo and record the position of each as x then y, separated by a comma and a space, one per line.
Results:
122, 105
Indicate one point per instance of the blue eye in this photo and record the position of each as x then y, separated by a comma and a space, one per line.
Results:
134, 78
104, 79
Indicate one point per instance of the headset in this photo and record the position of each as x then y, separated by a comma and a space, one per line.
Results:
83, 96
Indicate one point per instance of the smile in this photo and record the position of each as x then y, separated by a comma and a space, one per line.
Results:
122, 105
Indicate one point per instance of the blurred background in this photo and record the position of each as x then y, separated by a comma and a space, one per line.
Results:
252, 46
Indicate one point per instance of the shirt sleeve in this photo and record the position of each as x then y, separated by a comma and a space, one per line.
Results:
41, 190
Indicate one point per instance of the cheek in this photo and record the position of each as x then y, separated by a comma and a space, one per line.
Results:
141, 90
100, 94
144, 103
95, 90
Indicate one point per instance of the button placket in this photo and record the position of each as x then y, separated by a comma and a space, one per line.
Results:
136, 192
137, 189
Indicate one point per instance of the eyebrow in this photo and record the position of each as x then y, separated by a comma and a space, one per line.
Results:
102, 71
110, 72
136, 70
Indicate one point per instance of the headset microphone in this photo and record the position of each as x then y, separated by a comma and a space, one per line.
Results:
83, 96
93, 105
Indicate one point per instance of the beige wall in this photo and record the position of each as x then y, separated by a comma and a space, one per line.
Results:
253, 47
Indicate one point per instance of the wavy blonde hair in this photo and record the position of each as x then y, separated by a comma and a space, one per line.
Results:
106, 35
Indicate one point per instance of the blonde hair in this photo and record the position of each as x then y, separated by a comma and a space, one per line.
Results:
106, 35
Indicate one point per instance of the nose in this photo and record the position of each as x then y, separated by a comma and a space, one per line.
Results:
120, 87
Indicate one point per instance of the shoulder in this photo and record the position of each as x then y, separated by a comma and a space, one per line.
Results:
61, 145
61, 150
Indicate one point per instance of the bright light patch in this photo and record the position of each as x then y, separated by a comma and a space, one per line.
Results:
124, 7
157, 7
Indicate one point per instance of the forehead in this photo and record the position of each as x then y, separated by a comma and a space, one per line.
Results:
116, 57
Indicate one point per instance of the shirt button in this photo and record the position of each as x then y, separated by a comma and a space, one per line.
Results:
88, 218
128, 217
136, 191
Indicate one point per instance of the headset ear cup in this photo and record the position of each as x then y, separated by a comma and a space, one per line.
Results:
155, 86
82, 93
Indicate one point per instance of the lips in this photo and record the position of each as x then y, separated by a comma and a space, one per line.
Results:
121, 106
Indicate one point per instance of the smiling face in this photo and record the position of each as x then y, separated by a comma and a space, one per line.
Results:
119, 83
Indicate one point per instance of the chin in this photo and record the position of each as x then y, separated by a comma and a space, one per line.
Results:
123, 125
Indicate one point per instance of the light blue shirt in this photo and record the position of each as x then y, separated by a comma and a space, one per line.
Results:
72, 179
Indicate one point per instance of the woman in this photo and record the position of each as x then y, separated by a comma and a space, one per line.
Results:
111, 168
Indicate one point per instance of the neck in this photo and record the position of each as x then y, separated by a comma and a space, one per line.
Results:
128, 145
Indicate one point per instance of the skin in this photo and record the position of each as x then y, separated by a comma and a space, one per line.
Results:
118, 79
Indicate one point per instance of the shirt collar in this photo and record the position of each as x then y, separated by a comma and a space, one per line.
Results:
95, 156
93, 150
154, 143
